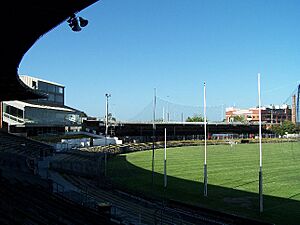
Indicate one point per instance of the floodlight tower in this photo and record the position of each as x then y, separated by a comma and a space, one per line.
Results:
153, 135
106, 131
106, 114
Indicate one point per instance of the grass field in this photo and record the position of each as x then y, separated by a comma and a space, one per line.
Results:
232, 178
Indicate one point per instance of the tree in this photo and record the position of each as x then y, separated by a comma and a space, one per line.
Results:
83, 114
238, 118
286, 127
195, 118
111, 118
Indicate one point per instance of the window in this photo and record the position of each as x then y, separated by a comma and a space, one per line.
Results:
20, 113
13, 111
5, 108
51, 88
33, 84
59, 98
59, 90
51, 97
42, 86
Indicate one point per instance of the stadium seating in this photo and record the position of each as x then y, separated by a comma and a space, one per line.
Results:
23, 146
21, 154
78, 164
22, 203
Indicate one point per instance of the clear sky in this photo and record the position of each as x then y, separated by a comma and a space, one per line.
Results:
131, 47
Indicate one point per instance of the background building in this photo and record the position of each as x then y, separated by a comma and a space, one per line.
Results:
269, 114
47, 115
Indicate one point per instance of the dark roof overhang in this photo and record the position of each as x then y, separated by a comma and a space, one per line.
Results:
23, 23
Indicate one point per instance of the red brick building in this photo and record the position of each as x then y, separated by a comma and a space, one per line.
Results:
269, 114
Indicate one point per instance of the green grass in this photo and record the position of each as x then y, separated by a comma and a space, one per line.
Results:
232, 178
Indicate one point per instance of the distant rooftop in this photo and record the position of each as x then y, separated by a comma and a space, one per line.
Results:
283, 106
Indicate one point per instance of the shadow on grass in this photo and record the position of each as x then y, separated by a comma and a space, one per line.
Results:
136, 180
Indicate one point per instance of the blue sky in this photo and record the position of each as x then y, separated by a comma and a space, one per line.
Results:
131, 47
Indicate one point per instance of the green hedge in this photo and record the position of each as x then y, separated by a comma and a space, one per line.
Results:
133, 147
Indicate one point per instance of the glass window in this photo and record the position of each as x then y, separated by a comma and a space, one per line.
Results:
42, 86
13, 111
20, 113
44, 116
5, 108
59, 90
33, 84
59, 98
51, 88
51, 97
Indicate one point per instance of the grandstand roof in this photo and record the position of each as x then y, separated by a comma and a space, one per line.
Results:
39, 79
24, 22
22, 105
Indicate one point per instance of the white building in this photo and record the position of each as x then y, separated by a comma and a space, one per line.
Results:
49, 115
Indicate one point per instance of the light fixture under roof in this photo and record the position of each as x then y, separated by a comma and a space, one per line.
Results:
77, 23
83, 22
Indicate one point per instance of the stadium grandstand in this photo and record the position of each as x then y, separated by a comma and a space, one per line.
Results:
175, 118
26, 198
41, 186
36, 117
143, 131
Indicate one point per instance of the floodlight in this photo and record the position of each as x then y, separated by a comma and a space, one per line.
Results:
75, 27
83, 22
73, 23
